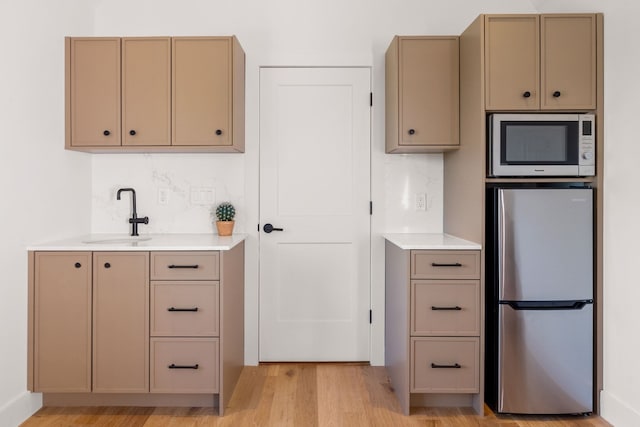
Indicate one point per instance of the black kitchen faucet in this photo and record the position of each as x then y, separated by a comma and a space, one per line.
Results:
134, 220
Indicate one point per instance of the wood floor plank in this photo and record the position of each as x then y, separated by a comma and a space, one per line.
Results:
301, 395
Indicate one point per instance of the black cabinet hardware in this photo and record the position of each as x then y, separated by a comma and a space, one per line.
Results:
107, 265
527, 94
78, 265
218, 132
556, 94
194, 266
174, 366
454, 366
456, 308
453, 264
412, 131
106, 133
132, 132
194, 309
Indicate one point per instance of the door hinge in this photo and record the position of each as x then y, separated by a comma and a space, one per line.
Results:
370, 99
370, 207
370, 316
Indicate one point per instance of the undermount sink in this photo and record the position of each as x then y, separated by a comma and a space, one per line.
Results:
118, 240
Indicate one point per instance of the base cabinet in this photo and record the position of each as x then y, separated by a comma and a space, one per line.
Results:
120, 322
433, 327
61, 322
167, 327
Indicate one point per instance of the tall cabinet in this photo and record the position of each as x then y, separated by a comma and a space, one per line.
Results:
524, 63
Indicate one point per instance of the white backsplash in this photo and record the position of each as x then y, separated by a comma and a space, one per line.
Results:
177, 175
396, 179
405, 176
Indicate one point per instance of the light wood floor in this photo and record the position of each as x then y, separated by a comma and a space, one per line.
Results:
300, 395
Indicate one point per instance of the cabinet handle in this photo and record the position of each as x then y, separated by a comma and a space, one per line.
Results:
194, 309
132, 132
456, 308
107, 265
556, 94
454, 264
412, 131
106, 133
78, 265
218, 132
174, 366
182, 266
526, 94
454, 366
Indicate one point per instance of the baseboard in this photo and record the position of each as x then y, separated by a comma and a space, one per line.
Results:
617, 412
17, 410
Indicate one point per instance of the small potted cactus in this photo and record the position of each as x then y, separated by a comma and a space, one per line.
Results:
225, 212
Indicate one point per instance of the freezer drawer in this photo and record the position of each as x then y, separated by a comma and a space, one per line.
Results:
545, 360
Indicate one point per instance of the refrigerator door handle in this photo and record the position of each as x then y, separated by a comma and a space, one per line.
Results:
502, 241
548, 305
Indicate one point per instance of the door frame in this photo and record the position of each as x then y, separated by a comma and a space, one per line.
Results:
370, 228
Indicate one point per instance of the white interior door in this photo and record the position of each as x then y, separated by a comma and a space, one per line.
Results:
315, 185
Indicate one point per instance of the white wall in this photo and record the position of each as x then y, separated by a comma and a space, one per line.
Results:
50, 192
46, 190
621, 396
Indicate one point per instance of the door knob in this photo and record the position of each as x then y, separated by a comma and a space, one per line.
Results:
268, 228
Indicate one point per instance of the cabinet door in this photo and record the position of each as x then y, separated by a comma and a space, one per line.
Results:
202, 91
429, 87
146, 91
512, 62
62, 322
94, 92
121, 322
568, 62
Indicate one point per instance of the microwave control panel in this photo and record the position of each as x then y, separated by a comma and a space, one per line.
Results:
587, 145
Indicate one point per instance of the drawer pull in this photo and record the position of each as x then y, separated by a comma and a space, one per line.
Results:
456, 308
454, 366
174, 366
453, 264
182, 309
183, 266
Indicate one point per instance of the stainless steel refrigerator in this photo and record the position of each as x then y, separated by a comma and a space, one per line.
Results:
540, 301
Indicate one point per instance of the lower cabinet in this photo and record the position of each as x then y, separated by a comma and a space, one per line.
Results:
433, 327
120, 322
60, 317
133, 323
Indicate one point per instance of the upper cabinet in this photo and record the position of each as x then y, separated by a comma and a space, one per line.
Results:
540, 62
155, 94
422, 94
93, 92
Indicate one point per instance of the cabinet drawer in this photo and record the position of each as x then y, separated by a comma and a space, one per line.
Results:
445, 307
445, 365
184, 365
185, 266
185, 309
445, 264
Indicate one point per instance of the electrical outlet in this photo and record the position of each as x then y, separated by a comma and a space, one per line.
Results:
421, 202
163, 196
202, 195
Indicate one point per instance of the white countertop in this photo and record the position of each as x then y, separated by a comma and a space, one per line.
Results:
430, 241
148, 242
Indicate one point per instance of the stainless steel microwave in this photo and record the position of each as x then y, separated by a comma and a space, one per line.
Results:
526, 145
